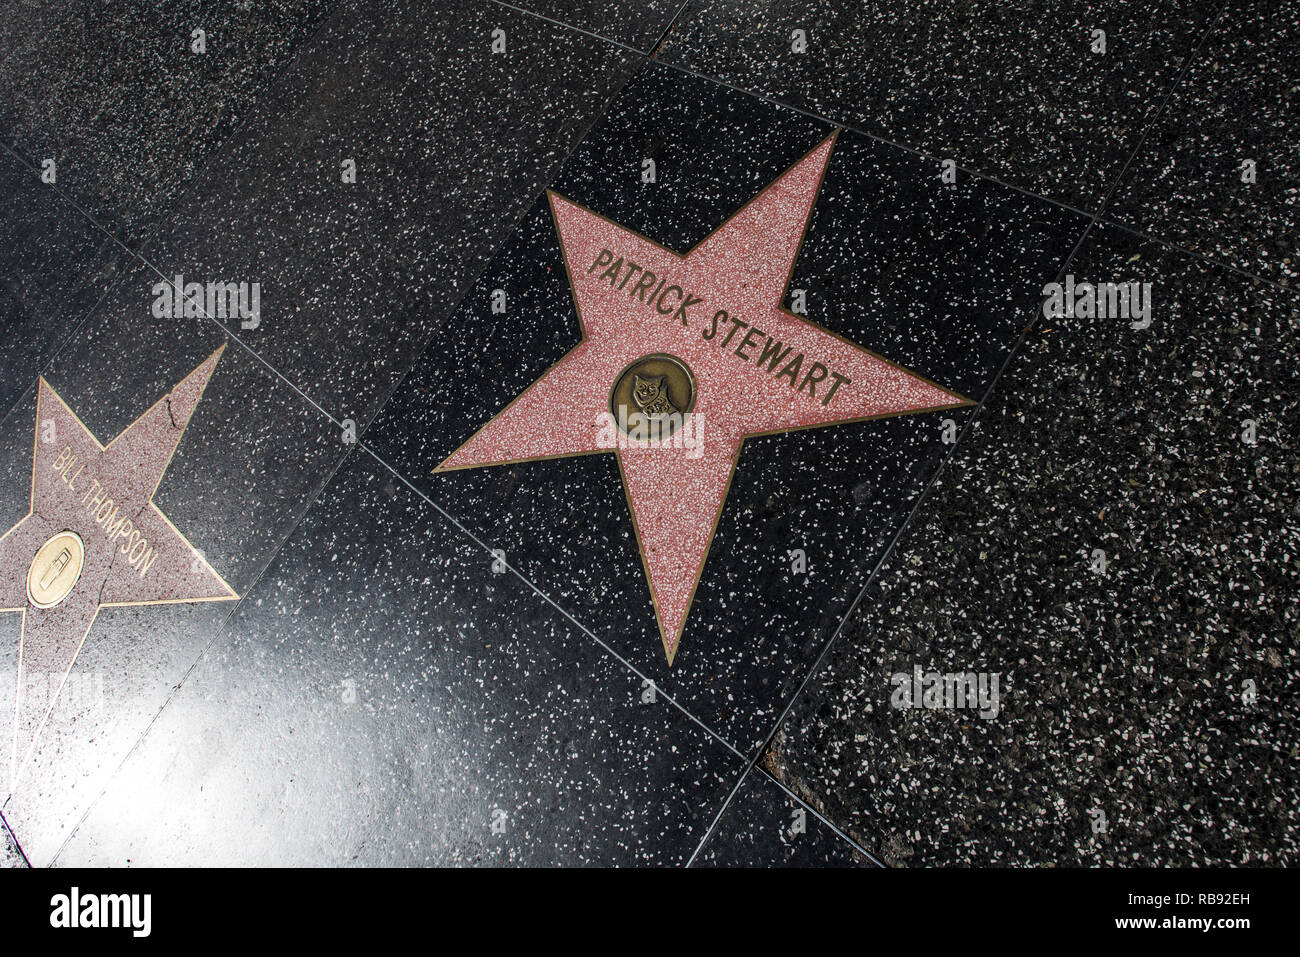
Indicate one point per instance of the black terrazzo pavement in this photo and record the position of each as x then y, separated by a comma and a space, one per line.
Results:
253, 457
1122, 691
356, 277
115, 94
433, 711
1011, 90
383, 695
763, 826
638, 25
1240, 101
54, 267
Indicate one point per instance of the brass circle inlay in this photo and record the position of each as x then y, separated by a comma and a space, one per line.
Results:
659, 388
55, 569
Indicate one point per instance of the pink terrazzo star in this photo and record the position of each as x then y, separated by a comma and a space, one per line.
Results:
133, 553
758, 369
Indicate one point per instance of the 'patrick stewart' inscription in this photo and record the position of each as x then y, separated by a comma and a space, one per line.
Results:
755, 346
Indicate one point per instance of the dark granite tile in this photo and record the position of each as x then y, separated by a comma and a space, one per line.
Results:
764, 826
22, 24
383, 697
249, 461
54, 267
1239, 101
638, 25
938, 280
1012, 90
114, 93
1124, 692
355, 277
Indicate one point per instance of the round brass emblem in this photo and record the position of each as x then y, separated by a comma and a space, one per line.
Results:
55, 569
655, 391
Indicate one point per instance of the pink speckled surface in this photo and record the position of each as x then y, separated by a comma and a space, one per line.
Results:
742, 268
69, 470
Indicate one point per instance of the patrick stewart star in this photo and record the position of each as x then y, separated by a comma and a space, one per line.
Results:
93, 538
668, 338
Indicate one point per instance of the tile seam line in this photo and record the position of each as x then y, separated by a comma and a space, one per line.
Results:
1186, 67
1109, 221
569, 26
974, 417
636, 62
4, 825
43, 367
257, 107
119, 277
654, 50
835, 828
830, 825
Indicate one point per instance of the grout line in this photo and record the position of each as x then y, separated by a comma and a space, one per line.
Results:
4, 825
821, 817
1164, 105
764, 773
654, 50
722, 809
569, 26
1202, 257
974, 416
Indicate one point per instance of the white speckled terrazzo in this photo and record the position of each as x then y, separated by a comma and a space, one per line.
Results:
550, 653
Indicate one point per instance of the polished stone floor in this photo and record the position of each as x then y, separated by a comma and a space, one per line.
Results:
313, 314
